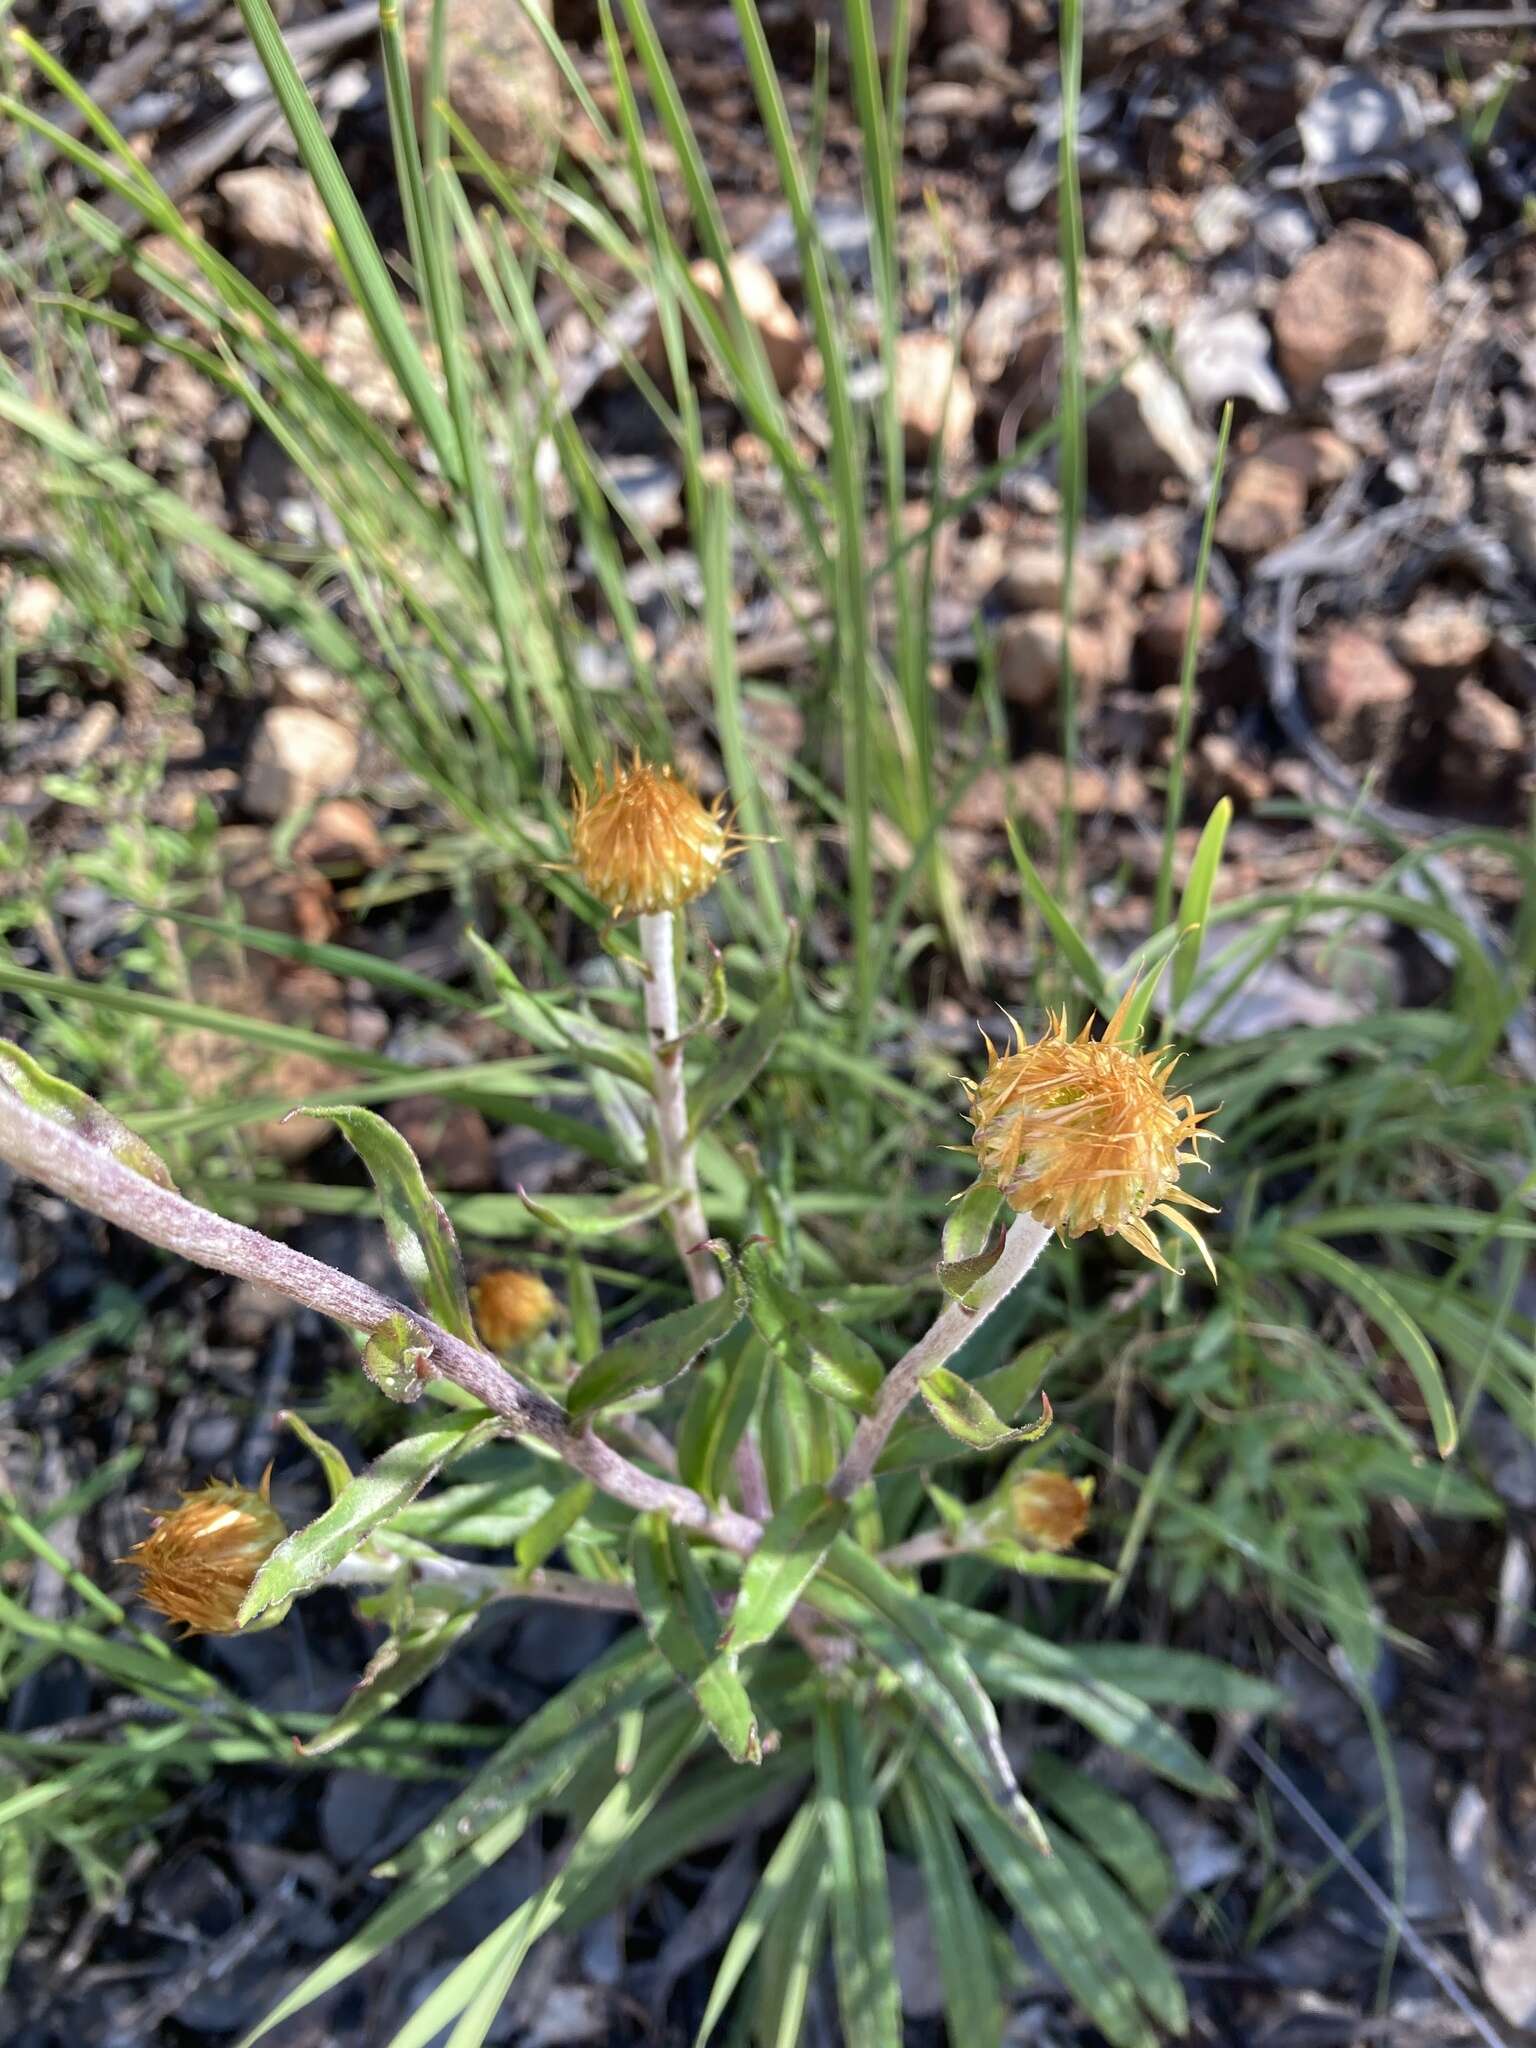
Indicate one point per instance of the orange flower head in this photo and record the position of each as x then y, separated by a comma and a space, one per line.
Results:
199, 1560
644, 842
1048, 1509
512, 1308
1082, 1134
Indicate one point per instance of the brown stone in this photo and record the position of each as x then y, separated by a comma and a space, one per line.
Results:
1265, 506
297, 757
1222, 769
280, 215
784, 340
502, 81
1441, 638
1034, 577
1029, 656
1166, 628
1360, 696
1035, 788
1361, 298
1318, 455
933, 393
987, 24
341, 833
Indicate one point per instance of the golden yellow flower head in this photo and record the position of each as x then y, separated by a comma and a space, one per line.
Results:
198, 1561
1048, 1509
1082, 1134
644, 842
512, 1308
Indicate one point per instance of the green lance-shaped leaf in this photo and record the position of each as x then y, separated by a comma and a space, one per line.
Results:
681, 1621
338, 1473
590, 1216
540, 1541
394, 1358
656, 1354
78, 1112
968, 1415
311, 1554
739, 1065
420, 1235
783, 1565
835, 1360
396, 1668
972, 1243
1383, 1307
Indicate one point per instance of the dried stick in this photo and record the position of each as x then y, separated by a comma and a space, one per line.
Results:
85, 1174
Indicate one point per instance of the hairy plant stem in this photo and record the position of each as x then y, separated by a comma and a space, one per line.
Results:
678, 1162
1025, 1241
86, 1174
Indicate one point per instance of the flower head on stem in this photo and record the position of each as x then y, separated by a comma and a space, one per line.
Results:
644, 842
512, 1308
1082, 1134
1048, 1509
199, 1560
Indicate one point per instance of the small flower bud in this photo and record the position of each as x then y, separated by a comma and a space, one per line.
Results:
1048, 1509
644, 842
1082, 1134
198, 1562
512, 1308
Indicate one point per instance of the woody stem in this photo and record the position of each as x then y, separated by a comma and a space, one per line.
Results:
1025, 1241
678, 1161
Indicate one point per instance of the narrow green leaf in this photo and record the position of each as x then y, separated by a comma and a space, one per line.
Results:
591, 1216
833, 1358
735, 1069
783, 1877
973, 2000
1402, 1332
1108, 1825
420, 1235
18, 1873
1062, 930
720, 1407
393, 1358
396, 1668
544, 1537
915, 1444
1195, 905
681, 1621
310, 1554
338, 1473
966, 1413
76, 1111
782, 1566
654, 1355
863, 1938
971, 1245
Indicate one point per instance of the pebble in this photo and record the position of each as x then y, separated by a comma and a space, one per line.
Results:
1265, 505
933, 393
784, 340
297, 757
502, 81
1362, 298
281, 216
1360, 695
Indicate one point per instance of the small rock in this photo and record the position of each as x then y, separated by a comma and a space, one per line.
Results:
1035, 786
986, 24
340, 834
297, 757
1360, 696
997, 329
1265, 505
933, 394
1034, 575
1123, 224
451, 1139
1360, 299
884, 15
502, 81
1222, 769
351, 359
1166, 628
1029, 657
1226, 354
1142, 432
1441, 639
34, 604
1486, 745
784, 340
280, 214
1319, 456
1512, 498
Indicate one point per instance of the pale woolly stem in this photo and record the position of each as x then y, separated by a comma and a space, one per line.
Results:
89, 1176
1025, 1241
678, 1162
